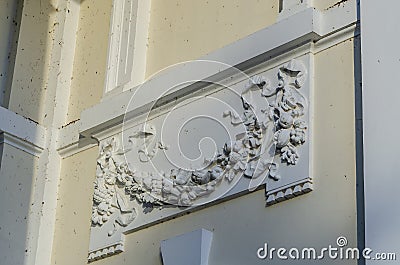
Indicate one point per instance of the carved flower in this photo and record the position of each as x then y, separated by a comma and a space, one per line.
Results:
297, 136
300, 124
97, 219
289, 154
101, 213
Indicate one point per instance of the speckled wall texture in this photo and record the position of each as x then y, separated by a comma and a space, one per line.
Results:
185, 30
90, 56
10, 12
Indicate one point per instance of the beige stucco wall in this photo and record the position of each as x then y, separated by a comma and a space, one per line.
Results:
74, 208
90, 56
242, 225
17, 171
29, 83
186, 30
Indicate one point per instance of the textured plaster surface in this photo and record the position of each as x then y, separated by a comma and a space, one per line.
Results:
74, 208
187, 30
90, 56
29, 83
16, 177
9, 26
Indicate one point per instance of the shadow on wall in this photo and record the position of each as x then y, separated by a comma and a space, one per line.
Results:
10, 18
359, 140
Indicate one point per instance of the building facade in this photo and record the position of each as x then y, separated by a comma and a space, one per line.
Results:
198, 132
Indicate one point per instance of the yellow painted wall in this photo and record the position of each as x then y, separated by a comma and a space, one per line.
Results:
73, 218
90, 57
182, 30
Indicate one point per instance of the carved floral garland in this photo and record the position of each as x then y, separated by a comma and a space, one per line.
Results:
117, 186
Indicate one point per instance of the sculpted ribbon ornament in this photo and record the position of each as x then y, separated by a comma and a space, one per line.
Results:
277, 125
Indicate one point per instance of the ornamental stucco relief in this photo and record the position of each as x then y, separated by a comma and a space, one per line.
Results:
273, 115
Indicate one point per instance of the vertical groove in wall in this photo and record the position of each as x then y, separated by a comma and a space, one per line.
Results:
359, 142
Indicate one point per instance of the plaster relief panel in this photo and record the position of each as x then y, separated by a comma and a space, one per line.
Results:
241, 133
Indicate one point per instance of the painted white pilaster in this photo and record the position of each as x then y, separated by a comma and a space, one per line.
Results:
380, 59
41, 225
126, 65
